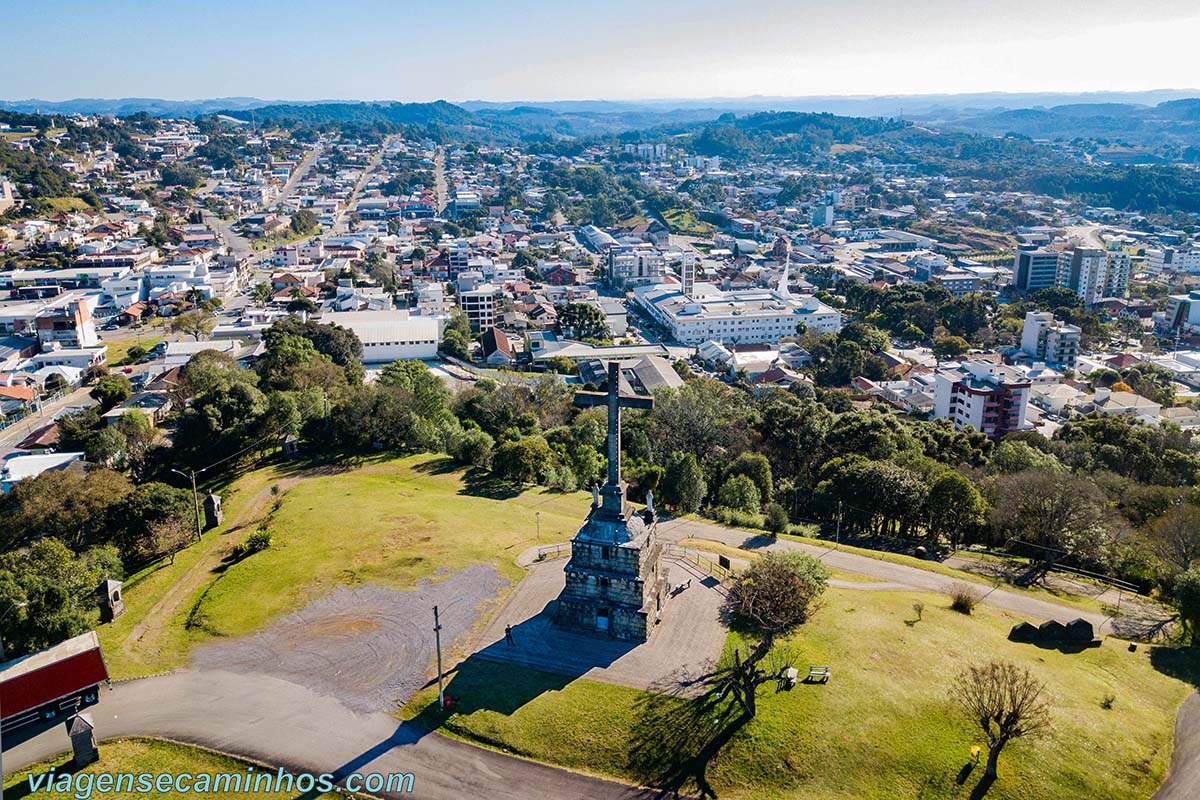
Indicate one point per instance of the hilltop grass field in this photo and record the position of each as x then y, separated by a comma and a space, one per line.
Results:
385, 520
884, 727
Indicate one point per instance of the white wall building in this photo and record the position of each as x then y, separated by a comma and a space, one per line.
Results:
389, 336
743, 316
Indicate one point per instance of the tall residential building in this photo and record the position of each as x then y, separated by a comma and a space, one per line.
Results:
992, 398
1083, 270
1116, 279
481, 305
1050, 341
637, 265
1035, 269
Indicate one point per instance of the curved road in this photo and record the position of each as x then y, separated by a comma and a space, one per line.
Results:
280, 723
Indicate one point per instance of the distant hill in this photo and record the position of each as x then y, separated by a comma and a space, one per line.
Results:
439, 113
125, 106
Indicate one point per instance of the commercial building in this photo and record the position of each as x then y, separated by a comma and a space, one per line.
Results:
389, 336
1035, 269
742, 316
1183, 311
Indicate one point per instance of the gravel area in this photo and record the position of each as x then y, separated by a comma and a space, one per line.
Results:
368, 646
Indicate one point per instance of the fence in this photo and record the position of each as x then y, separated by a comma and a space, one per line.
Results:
701, 562
553, 551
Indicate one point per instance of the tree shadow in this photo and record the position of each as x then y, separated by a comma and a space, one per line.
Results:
981, 788
22, 789
675, 738
1181, 663
759, 541
481, 483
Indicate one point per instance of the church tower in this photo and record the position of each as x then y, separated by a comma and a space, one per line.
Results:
615, 582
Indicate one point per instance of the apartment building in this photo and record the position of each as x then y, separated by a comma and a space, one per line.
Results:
1083, 270
1050, 341
481, 305
630, 266
992, 398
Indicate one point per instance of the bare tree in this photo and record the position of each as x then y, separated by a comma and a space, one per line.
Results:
170, 535
1005, 700
1175, 537
775, 595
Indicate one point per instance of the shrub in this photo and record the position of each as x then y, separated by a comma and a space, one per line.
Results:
918, 608
1107, 702
964, 598
776, 518
259, 540
135, 353
736, 518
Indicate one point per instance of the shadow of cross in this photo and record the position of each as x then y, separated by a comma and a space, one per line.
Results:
614, 400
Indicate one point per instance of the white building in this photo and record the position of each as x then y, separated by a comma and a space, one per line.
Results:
990, 397
1083, 270
1045, 339
389, 336
637, 265
480, 305
742, 316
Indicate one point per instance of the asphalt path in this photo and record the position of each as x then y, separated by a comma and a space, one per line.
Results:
281, 724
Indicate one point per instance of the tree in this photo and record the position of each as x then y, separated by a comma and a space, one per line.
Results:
69, 506
455, 345
169, 536
1187, 602
342, 345
683, 484
583, 321
526, 460
776, 518
740, 494
757, 468
1053, 510
475, 449
111, 391
950, 346
954, 506
261, 293
197, 323
430, 392
1016, 456
776, 594
303, 222
56, 587
1006, 701
1175, 537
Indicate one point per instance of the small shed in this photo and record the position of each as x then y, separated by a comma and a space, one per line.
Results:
82, 731
1024, 632
1052, 631
213, 515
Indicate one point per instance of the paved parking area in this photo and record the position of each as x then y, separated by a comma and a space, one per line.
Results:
685, 644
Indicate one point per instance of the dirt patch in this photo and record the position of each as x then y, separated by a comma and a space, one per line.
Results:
368, 646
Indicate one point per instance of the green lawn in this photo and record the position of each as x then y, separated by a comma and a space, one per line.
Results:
883, 727
389, 521
154, 756
685, 220
118, 348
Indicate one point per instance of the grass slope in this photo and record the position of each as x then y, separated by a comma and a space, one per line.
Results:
883, 727
154, 756
388, 521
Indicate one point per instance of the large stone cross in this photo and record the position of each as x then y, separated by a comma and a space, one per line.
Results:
614, 401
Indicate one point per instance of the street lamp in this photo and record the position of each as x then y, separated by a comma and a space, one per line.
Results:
537, 515
195, 498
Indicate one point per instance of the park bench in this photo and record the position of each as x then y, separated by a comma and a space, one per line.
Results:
816, 673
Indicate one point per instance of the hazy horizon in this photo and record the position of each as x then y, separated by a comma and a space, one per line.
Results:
538, 51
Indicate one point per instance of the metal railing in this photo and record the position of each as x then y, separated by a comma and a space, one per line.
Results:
553, 551
697, 559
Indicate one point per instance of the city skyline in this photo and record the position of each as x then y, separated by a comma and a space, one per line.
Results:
537, 51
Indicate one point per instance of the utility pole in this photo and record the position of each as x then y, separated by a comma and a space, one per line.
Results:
437, 638
195, 500
838, 535
538, 516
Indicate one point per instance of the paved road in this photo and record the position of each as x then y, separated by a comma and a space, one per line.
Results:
1183, 778
341, 223
1032, 607
13, 434
282, 724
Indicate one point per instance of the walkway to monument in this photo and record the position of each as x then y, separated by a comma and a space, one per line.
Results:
685, 644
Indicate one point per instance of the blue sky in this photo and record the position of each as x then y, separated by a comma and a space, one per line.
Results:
541, 50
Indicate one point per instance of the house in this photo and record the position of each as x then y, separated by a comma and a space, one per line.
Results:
496, 347
1127, 404
19, 467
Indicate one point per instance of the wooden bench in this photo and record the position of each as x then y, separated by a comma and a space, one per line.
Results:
816, 673
791, 676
